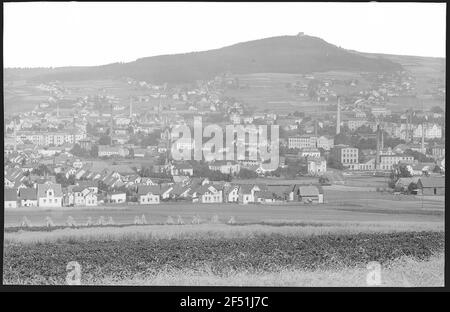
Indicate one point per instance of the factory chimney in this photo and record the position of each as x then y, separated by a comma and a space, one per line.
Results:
131, 108
423, 138
338, 116
111, 121
377, 157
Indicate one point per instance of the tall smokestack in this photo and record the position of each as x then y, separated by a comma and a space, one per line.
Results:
423, 138
131, 108
15, 136
111, 121
377, 157
338, 116
382, 138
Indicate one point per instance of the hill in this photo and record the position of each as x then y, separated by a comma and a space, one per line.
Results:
283, 54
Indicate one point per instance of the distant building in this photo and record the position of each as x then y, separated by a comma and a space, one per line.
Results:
108, 151
347, 156
317, 166
389, 162
438, 151
302, 141
225, 167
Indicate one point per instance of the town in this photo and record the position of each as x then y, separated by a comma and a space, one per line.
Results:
99, 149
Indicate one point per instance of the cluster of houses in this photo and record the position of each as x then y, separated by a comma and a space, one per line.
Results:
195, 190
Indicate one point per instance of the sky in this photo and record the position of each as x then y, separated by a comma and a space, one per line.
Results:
44, 34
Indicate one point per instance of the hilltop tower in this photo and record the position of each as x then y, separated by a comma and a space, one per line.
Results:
338, 116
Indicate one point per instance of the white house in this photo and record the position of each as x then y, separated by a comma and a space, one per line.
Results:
148, 194
49, 195
116, 197
233, 194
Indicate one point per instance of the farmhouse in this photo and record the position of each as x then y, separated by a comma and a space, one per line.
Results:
149, 194
10, 198
49, 195
431, 186
308, 193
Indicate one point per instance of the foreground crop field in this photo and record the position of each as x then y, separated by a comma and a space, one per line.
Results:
268, 245
261, 253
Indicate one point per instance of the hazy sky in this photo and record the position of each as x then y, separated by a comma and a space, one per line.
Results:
61, 34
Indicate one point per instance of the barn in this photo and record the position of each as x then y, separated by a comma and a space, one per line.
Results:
431, 186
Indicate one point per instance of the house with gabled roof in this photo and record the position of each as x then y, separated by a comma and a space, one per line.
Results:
149, 194
180, 191
231, 194
308, 193
49, 195
208, 194
431, 186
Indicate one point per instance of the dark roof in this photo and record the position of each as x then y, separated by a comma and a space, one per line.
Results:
42, 189
10, 195
145, 189
432, 182
28, 194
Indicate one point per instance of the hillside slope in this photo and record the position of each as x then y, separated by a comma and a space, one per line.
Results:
284, 54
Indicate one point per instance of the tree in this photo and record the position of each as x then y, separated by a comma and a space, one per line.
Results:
437, 109
247, 174
104, 140
412, 187
94, 151
77, 150
418, 156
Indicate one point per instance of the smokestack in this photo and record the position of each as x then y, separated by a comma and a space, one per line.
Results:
111, 121
382, 139
131, 108
15, 136
338, 116
377, 157
423, 138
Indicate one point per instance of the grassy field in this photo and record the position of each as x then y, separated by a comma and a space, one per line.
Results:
361, 206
